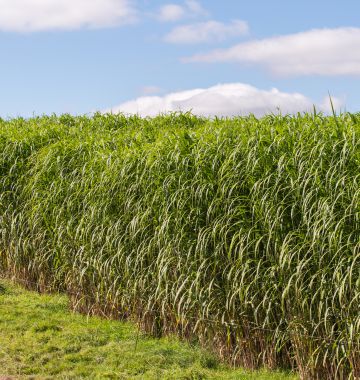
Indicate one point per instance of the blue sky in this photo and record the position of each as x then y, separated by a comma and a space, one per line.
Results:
224, 57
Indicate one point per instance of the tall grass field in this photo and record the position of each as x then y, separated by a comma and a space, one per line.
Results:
241, 233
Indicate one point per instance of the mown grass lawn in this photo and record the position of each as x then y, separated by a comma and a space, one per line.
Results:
41, 339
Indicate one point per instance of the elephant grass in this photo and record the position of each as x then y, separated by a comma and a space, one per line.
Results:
243, 233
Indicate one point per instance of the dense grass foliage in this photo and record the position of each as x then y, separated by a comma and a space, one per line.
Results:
242, 232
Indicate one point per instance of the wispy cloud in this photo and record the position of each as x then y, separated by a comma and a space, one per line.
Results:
40, 15
314, 52
175, 12
223, 100
196, 8
171, 12
208, 31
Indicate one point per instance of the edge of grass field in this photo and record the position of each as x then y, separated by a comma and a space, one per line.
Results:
41, 338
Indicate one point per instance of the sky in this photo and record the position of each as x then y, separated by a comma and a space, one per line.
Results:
225, 58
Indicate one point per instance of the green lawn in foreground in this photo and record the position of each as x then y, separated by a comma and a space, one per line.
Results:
41, 339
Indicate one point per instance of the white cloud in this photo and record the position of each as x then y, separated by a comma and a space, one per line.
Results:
208, 31
39, 15
314, 52
222, 100
175, 12
171, 12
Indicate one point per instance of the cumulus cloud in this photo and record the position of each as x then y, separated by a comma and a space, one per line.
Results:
209, 31
39, 15
314, 52
222, 100
174, 12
